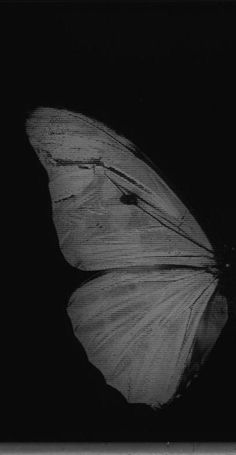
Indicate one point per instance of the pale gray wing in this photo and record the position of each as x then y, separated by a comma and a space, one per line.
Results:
90, 167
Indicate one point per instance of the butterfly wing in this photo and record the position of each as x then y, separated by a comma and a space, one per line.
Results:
90, 167
138, 322
138, 328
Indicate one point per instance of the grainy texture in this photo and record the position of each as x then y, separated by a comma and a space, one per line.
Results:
149, 322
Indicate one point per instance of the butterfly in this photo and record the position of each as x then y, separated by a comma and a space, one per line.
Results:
150, 318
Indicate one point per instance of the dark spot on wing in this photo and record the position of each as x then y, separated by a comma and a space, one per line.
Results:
129, 199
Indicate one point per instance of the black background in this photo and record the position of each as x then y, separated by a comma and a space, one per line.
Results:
163, 75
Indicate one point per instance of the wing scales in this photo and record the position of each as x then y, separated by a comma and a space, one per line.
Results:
143, 321
62, 139
137, 323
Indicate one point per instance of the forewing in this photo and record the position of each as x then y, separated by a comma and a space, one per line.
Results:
90, 167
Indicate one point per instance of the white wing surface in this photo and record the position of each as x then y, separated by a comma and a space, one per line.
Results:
139, 322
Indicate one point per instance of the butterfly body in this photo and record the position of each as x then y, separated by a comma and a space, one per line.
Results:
154, 312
